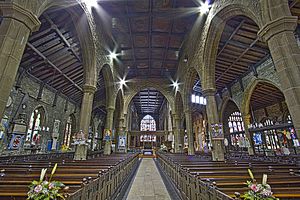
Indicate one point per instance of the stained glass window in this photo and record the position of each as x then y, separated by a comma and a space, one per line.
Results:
235, 122
148, 123
68, 131
35, 126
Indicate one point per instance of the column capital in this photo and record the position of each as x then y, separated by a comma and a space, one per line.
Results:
286, 23
209, 92
89, 89
17, 12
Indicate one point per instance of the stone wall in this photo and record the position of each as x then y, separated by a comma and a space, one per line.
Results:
60, 111
265, 71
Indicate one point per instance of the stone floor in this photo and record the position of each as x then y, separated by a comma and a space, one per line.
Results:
148, 184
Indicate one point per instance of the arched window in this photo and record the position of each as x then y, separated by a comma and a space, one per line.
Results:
235, 122
148, 123
69, 130
36, 123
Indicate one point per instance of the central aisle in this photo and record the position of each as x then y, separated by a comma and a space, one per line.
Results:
148, 184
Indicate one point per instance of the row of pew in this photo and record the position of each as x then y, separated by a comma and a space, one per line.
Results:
98, 178
198, 177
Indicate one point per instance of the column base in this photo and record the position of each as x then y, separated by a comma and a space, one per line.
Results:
107, 148
81, 152
217, 151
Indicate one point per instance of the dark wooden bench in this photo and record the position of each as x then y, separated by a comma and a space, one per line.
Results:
230, 176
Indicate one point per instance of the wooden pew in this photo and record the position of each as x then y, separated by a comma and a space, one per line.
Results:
110, 171
230, 176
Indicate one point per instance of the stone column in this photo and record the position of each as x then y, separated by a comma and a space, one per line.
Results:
189, 129
213, 118
278, 32
85, 119
177, 139
86, 108
16, 26
109, 126
247, 122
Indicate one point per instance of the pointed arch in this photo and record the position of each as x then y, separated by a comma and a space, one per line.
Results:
189, 82
214, 28
245, 106
139, 85
109, 85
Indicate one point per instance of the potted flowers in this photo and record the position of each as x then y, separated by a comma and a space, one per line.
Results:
258, 191
45, 189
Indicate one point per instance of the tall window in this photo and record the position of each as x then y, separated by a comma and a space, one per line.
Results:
235, 122
68, 131
148, 123
35, 126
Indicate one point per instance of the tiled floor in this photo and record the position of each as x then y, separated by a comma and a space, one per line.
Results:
148, 184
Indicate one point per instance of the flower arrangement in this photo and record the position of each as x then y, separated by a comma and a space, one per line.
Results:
258, 191
45, 190
65, 148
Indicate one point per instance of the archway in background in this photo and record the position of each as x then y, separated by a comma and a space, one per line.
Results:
270, 132
233, 127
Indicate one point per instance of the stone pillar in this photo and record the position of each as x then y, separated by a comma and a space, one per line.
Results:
109, 126
86, 108
190, 134
213, 118
278, 32
247, 122
16, 26
177, 140
85, 119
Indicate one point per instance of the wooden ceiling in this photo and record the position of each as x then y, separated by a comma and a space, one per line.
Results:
150, 33
295, 8
148, 101
53, 54
239, 49
264, 95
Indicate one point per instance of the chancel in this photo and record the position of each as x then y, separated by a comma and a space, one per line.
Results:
149, 99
